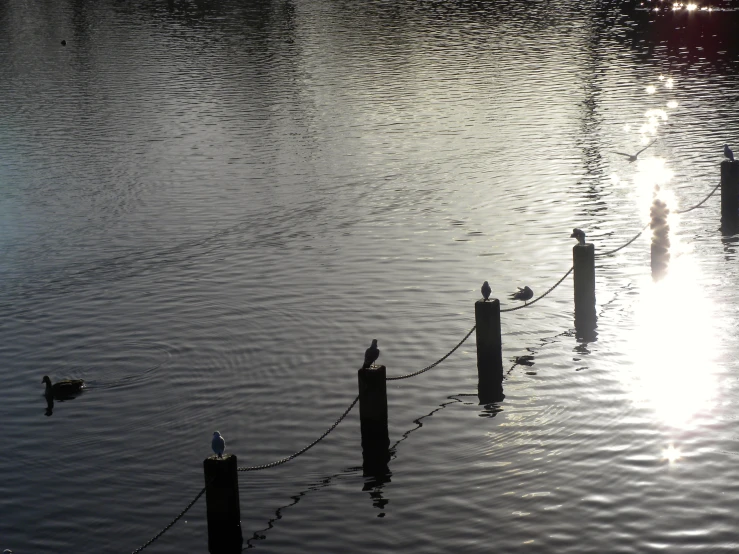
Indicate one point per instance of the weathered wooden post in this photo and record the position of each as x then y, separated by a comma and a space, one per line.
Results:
729, 196
489, 351
583, 263
373, 419
222, 504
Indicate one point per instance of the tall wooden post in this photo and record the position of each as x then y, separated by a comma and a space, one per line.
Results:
222, 504
373, 419
730, 196
583, 262
489, 351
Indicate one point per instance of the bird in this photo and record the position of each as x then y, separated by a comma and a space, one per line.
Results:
62, 389
728, 153
486, 290
218, 444
632, 157
578, 234
524, 294
371, 354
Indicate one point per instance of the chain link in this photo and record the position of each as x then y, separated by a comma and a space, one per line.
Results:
554, 286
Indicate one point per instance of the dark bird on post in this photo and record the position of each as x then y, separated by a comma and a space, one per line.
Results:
578, 234
62, 389
371, 354
632, 157
728, 153
218, 444
486, 290
524, 294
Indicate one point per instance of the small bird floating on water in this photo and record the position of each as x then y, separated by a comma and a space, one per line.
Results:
62, 389
371, 354
632, 157
524, 294
218, 444
578, 234
728, 153
486, 290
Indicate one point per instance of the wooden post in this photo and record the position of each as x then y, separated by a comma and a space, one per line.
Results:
729, 195
373, 419
222, 504
489, 351
583, 261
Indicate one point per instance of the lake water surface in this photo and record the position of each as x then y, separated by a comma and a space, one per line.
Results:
209, 209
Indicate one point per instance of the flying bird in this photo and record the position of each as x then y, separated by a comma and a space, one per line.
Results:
62, 389
728, 153
632, 157
371, 354
578, 234
218, 444
524, 294
486, 290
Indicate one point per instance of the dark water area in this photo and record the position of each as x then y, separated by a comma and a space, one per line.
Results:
209, 209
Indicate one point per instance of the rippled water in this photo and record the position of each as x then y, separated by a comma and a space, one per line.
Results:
209, 209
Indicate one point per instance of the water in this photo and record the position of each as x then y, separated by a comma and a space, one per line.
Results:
208, 210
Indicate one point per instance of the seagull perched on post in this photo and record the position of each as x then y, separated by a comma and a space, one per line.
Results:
218, 444
728, 153
371, 354
632, 157
486, 290
578, 234
524, 294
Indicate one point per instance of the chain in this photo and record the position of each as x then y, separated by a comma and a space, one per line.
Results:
699, 204
182, 513
311, 445
436, 362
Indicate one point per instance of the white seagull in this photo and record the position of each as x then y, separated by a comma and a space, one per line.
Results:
632, 157
371, 354
728, 153
486, 290
218, 444
524, 294
578, 234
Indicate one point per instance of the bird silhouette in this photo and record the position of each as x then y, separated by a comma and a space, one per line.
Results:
62, 389
486, 290
371, 354
524, 294
578, 234
218, 444
632, 157
728, 153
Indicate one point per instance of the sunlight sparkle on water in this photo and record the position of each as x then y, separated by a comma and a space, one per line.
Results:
651, 89
673, 372
671, 454
672, 104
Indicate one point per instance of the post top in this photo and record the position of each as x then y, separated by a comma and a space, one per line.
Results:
213, 458
586, 245
373, 368
491, 301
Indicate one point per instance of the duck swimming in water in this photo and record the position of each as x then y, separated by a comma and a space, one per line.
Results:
62, 389
578, 234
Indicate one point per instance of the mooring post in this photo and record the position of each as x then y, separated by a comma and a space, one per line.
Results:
373, 419
222, 504
583, 262
489, 351
729, 195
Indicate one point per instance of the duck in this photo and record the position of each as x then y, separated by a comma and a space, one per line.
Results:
524, 294
62, 389
578, 234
